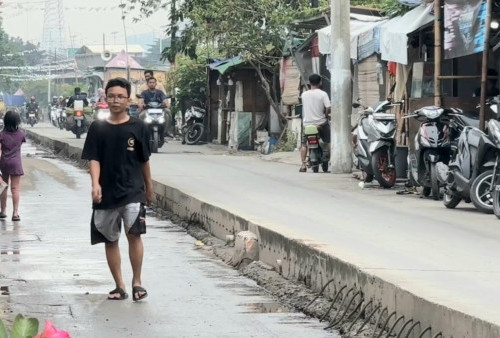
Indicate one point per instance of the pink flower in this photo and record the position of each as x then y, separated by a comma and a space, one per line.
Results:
51, 332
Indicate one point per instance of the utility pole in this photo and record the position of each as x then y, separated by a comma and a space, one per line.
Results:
341, 153
484, 70
438, 41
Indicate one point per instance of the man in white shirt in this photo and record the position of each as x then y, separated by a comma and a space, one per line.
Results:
315, 111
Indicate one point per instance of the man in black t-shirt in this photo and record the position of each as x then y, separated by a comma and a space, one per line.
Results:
153, 95
118, 151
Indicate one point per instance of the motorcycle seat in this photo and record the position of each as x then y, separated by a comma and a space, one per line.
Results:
470, 120
310, 130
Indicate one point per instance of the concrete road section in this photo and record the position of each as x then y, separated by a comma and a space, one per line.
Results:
49, 270
444, 259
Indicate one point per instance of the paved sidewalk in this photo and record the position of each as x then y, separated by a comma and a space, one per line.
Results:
448, 257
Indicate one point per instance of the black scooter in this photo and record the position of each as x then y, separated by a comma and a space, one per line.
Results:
469, 174
432, 145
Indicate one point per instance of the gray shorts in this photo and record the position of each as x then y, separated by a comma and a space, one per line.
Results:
106, 224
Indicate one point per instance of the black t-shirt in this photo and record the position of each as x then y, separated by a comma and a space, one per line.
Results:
156, 96
121, 150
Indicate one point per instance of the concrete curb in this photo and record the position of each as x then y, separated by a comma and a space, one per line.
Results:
309, 264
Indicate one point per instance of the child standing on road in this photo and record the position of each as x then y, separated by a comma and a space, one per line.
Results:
118, 151
11, 139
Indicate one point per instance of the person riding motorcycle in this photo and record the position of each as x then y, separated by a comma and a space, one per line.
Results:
78, 96
60, 102
153, 95
32, 105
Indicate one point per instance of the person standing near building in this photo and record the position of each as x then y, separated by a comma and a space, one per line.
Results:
118, 152
11, 140
315, 112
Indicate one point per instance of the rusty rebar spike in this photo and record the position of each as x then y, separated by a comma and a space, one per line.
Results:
333, 303
367, 319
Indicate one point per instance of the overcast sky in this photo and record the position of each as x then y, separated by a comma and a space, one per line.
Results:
86, 21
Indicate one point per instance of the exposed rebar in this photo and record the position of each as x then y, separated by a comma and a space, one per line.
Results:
403, 327
341, 305
333, 303
321, 292
359, 314
334, 321
411, 329
339, 322
385, 324
368, 319
423, 332
394, 325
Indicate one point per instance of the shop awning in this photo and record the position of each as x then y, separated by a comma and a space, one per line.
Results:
394, 33
223, 65
361, 26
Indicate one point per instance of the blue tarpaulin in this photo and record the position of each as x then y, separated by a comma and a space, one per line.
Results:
13, 100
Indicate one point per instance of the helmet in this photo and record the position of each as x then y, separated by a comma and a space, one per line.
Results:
60, 97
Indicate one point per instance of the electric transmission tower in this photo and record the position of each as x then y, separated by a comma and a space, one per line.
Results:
54, 37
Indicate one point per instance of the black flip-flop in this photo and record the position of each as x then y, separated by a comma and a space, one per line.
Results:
123, 294
16, 218
137, 289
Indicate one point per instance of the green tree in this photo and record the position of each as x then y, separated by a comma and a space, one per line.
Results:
9, 57
189, 80
254, 29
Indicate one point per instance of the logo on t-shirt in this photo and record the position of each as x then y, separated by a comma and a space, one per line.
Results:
131, 144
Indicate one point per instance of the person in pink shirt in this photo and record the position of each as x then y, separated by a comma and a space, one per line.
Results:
11, 140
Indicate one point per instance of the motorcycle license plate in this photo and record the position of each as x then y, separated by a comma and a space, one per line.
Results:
32, 115
78, 117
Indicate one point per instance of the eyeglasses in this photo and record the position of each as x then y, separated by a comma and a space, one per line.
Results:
118, 98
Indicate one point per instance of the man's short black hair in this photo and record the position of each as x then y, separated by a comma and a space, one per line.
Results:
151, 78
119, 82
77, 90
150, 72
314, 79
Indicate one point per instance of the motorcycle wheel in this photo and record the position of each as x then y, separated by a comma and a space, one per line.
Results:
480, 193
496, 202
315, 169
194, 133
434, 182
154, 142
385, 176
451, 201
78, 132
32, 123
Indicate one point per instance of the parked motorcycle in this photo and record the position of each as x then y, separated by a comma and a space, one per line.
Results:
432, 145
154, 117
101, 111
317, 154
375, 147
469, 175
194, 127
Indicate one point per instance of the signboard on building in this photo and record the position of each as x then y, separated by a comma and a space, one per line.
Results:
464, 27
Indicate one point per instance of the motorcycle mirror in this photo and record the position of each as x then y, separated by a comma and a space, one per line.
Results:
356, 105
